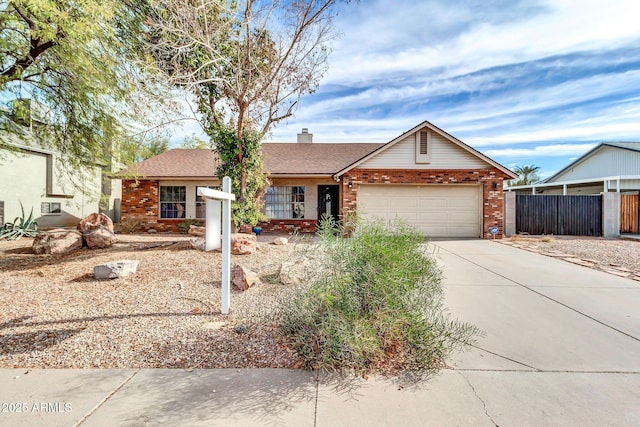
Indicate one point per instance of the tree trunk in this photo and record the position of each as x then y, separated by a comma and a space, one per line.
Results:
240, 156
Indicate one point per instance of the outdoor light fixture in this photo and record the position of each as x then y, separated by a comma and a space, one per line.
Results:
350, 184
494, 185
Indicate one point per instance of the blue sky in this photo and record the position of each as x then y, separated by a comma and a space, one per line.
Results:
525, 82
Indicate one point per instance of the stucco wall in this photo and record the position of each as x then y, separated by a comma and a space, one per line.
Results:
33, 178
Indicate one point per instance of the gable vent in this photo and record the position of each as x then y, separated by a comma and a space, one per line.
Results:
424, 142
423, 151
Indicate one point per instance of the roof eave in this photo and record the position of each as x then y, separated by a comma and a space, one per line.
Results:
300, 175
173, 178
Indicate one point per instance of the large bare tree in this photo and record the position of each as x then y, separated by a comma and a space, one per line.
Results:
247, 62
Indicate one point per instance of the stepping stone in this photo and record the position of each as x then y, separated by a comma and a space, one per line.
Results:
616, 272
621, 268
579, 262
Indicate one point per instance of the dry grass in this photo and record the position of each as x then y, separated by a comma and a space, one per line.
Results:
54, 314
528, 238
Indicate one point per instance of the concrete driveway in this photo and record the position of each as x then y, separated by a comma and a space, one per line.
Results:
562, 342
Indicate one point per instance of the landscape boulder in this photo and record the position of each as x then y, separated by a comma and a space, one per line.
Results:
243, 278
99, 238
58, 241
243, 244
195, 230
199, 243
298, 269
280, 241
97, 231
95, 220
115, 269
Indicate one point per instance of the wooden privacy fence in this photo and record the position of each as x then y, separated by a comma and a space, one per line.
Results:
630, 213
559, 215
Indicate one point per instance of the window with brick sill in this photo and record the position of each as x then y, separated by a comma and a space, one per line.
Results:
284, 202
173, 202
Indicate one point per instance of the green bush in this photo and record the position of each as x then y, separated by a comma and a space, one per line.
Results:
375, 304
20, 227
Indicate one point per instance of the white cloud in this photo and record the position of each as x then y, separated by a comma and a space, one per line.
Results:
560, 27
558, 150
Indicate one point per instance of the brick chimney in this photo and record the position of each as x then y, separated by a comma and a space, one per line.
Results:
305, 137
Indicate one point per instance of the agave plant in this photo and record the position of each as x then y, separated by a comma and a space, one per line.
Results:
20, 227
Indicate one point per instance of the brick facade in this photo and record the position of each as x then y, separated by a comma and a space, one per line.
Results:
490, 179
140, 202
140, 198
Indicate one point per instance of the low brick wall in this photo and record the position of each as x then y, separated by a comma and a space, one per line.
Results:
289, 226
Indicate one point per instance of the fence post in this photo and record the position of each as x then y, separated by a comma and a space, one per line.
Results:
509, 214
610, 214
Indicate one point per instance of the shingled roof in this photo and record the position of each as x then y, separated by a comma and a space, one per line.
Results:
279, 159
312, 159
177, 163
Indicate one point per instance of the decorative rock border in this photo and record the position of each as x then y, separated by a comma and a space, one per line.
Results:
615, 269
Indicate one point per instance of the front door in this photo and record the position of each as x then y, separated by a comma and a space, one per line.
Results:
328, 203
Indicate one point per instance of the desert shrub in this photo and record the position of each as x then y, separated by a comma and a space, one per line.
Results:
184, 225
22, 226
375, 303
129, 225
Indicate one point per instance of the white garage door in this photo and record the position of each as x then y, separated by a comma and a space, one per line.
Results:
436, 210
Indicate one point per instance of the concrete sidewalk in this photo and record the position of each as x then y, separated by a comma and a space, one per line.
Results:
561, 347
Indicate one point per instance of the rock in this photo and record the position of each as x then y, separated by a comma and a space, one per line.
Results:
95, 220
295, 272
58, 241
195, 230
214, 326
243, 278
243, 244
99, 238
115, 269
152, 231
280, 241
198, 243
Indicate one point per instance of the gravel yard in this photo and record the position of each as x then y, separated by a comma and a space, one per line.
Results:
615, 256
53, 314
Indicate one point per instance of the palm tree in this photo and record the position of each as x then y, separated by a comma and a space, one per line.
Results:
527, 174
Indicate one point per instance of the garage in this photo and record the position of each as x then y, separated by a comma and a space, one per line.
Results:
436, 210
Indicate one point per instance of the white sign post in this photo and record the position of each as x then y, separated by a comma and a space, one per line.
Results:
212, 236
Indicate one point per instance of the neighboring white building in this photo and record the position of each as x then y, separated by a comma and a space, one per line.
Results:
611, 166
37, 178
